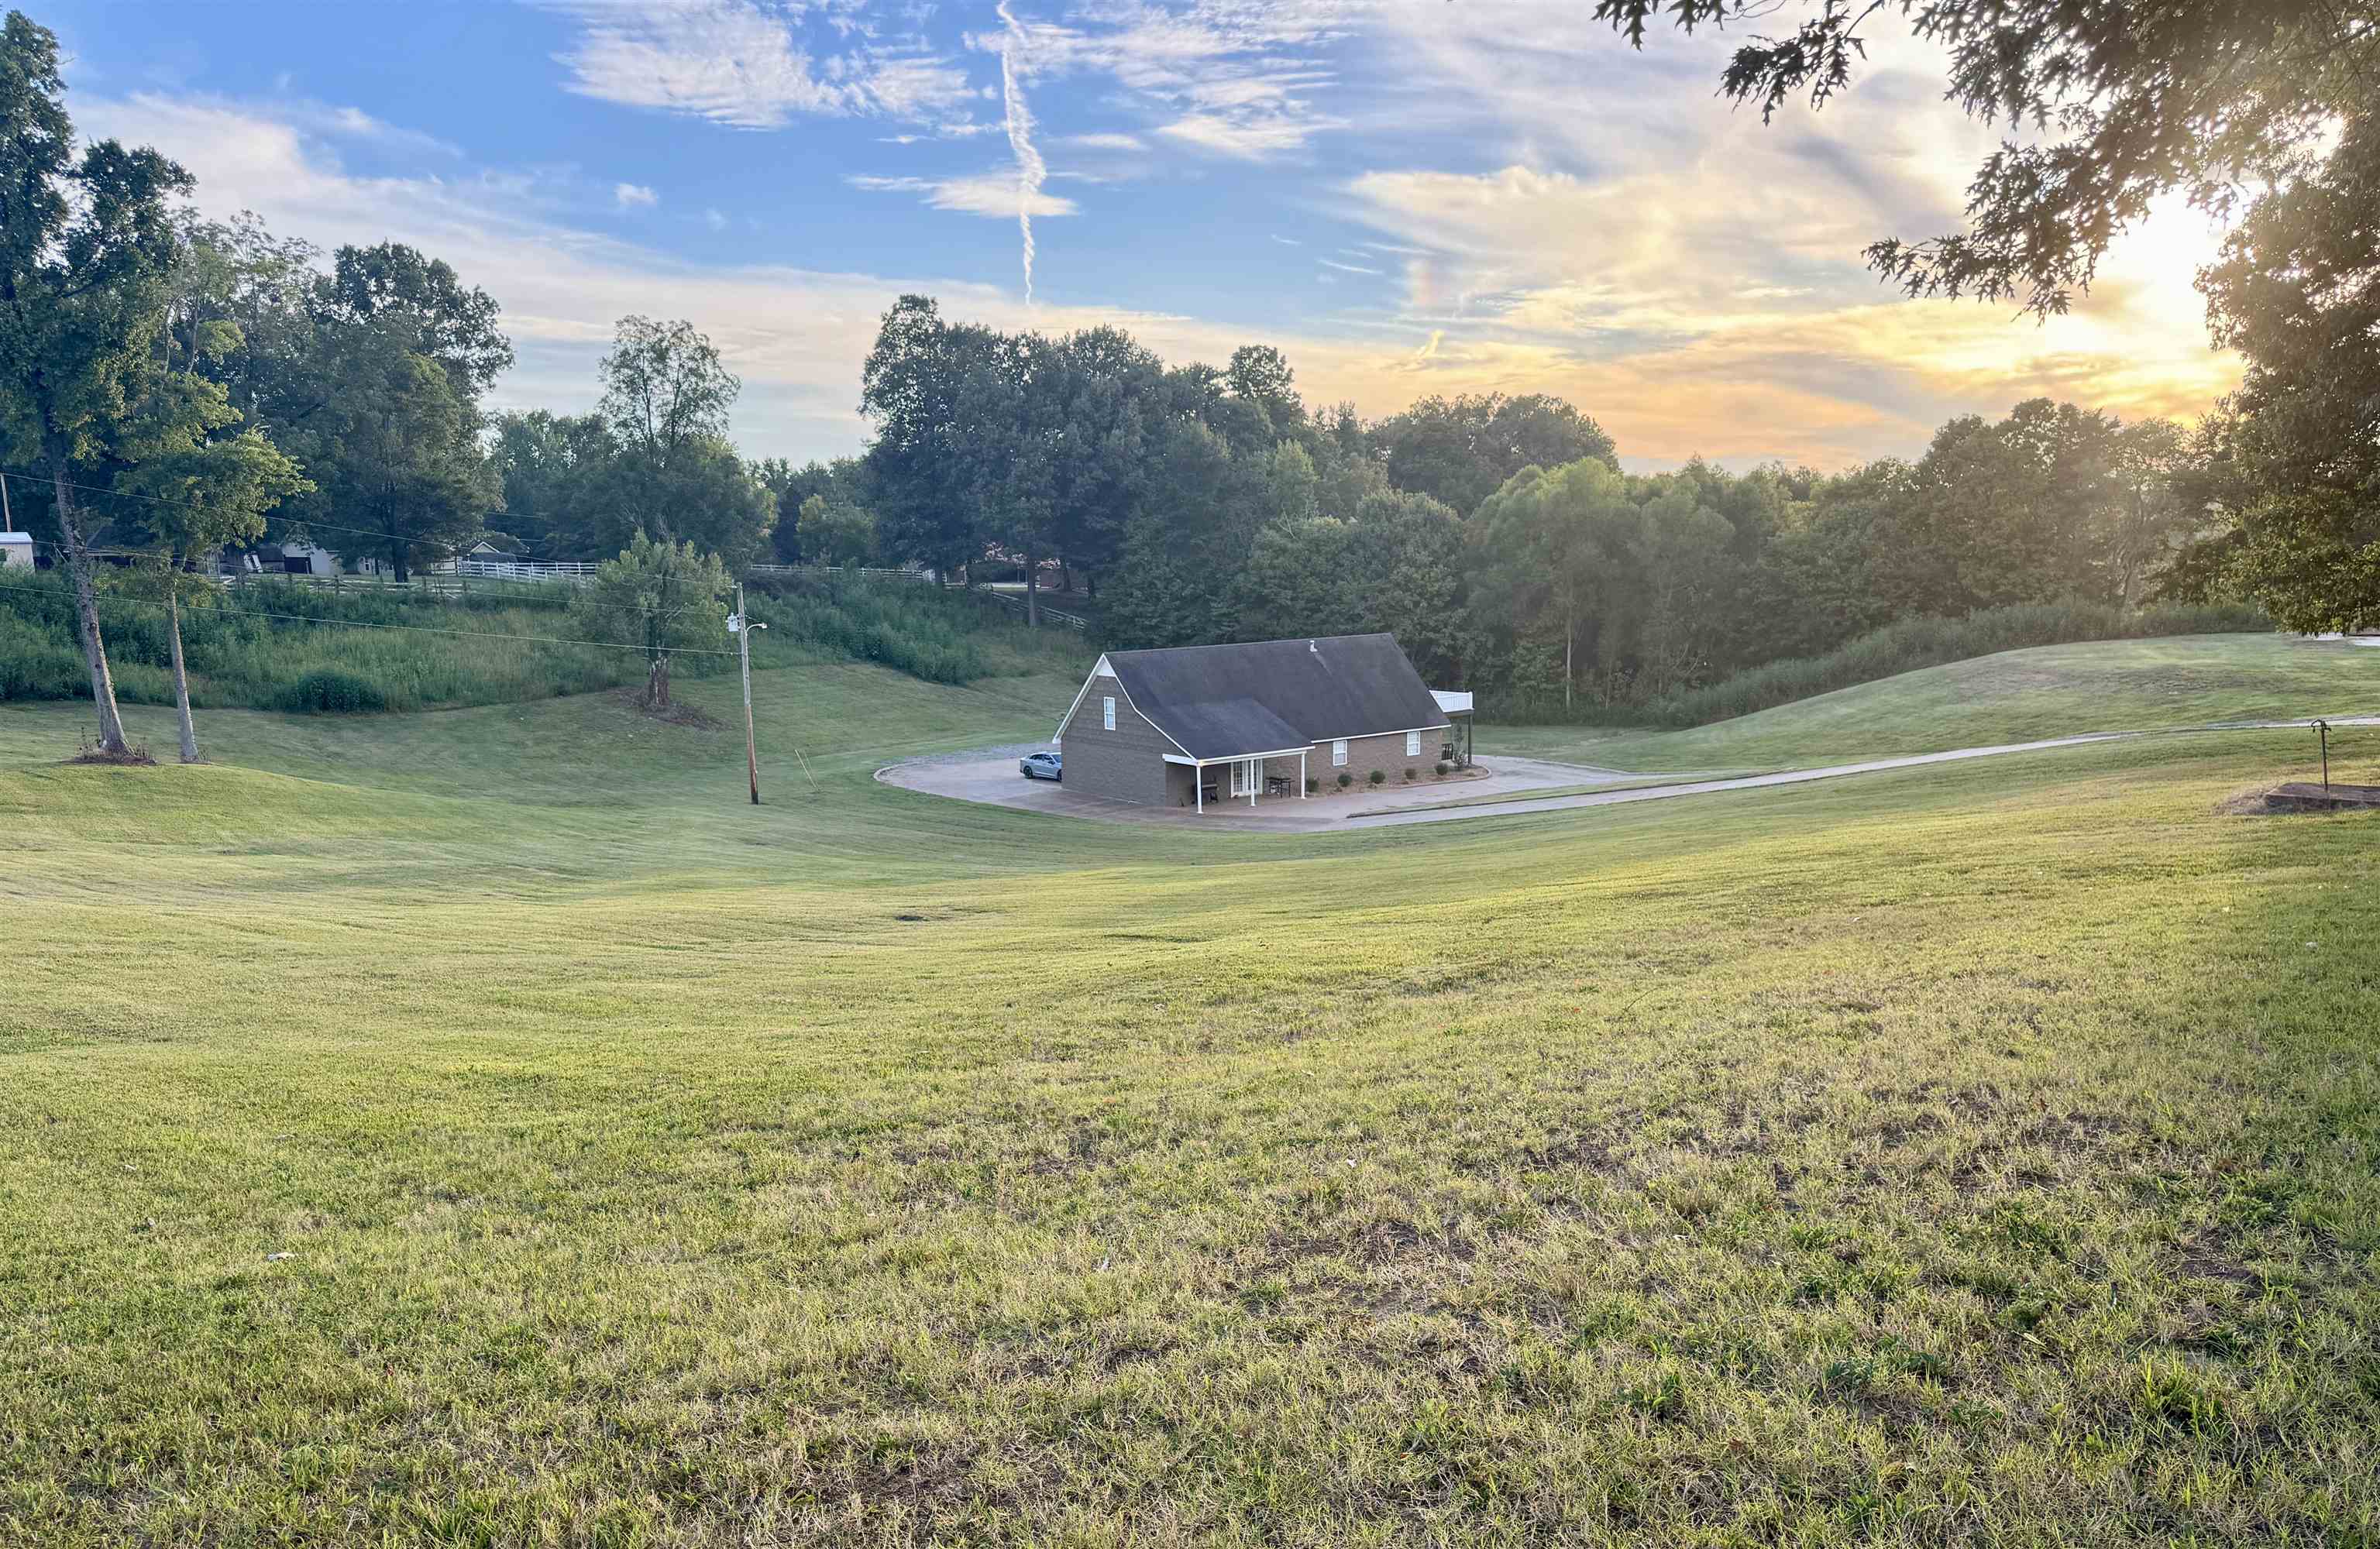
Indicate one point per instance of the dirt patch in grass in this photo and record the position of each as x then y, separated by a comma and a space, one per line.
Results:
2300, 796
135, 756
677, 714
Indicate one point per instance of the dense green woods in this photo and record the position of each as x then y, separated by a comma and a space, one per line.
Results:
1196, 504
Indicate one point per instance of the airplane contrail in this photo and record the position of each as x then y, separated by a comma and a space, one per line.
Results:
1030, 169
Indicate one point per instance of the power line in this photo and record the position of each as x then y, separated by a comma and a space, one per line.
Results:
358, 623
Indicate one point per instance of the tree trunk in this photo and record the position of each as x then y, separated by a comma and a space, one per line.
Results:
181, 676
657, 684
1570, 631
94, 647
1032, 593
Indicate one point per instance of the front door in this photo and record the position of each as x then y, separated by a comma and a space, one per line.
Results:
1243, 776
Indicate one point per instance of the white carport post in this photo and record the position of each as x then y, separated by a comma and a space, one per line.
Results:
1255, 778
1301, 774
1199, 786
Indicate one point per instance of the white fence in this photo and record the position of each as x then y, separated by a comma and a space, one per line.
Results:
448, 580
575, 572
1014, 601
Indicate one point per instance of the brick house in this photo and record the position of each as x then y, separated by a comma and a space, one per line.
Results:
1195, 724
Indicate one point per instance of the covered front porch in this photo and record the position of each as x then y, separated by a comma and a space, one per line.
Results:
1279, 774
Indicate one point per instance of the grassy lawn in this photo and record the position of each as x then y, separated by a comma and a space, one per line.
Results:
485, 1127
2050, 691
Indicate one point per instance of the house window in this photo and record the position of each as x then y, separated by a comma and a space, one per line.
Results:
1338, 752
1412, 745
1107, 711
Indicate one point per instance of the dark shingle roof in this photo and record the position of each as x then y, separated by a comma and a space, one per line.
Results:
1227, 701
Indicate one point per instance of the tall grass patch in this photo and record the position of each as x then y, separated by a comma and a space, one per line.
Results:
288, 645
939, 636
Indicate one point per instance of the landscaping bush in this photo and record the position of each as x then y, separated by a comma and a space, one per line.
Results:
332, 690
1380, 777
1346, 780
1312, 785
1409, 774
1441, 768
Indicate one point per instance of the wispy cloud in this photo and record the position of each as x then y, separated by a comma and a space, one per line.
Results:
633, 196
1347, 268
1238, 79
735, 63
993, 194
1287, 241
1105, 142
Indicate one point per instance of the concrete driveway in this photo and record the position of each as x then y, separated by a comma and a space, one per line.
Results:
990, 775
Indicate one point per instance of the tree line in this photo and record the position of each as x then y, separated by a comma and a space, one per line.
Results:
1497, 538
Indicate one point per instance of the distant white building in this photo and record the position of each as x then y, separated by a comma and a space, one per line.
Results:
16, 547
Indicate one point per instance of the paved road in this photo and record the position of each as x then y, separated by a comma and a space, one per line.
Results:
990, 775
1832, 771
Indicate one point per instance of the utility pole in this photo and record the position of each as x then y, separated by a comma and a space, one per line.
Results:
743, 627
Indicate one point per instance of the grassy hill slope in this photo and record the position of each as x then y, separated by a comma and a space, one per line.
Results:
2049, 691
485, 1127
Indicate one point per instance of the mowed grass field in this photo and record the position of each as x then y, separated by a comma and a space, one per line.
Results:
485, 1127
2014, 697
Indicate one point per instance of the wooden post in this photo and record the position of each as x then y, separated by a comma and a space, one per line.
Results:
744, 649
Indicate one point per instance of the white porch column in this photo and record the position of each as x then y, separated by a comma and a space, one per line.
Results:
1301, 774
1255, 778
1198, 787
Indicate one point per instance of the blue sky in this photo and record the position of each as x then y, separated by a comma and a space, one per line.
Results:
1408, 196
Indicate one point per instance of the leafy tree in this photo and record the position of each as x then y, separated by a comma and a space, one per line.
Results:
195, 492
836, 534
1101, 384
1260, 378
2296, 480
422, 300
1299, 579
924, 497
392, 445
1459, 450
2208, 99
1410, 553
87, 247
551, 466
673, 474
1549, 558
2149, 513
1682, 570
2002, 512
662, 597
